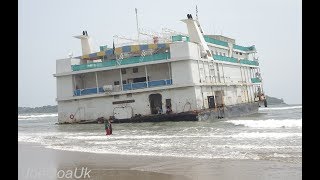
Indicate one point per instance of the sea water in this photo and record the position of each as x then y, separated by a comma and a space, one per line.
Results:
274, 133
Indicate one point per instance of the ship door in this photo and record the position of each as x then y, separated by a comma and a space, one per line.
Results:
155, 103
219, 97
211, 102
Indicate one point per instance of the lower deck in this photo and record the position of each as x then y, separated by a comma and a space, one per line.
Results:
201, 115
156, 104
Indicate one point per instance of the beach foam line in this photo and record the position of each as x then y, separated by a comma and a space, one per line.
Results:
229, 155
36, 116
258, 135
169, 144
280, 108
96, 138
269, 123
114, 137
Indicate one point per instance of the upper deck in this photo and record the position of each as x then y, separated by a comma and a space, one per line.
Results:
136, 54
184, 60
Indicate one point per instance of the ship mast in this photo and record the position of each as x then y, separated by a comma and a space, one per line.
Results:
137, 24
197, 13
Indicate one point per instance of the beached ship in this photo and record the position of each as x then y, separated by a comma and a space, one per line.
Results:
188, 77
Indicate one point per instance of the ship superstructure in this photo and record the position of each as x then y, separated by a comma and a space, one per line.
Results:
193, 75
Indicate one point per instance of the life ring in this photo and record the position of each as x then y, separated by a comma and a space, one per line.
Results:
71, 116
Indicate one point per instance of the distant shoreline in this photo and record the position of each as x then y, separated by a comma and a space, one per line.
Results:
54, 108
43, 109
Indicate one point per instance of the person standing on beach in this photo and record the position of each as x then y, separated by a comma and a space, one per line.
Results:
108, 127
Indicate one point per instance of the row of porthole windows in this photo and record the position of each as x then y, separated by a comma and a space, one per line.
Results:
216, 53
134, 70
224, 54
129, 95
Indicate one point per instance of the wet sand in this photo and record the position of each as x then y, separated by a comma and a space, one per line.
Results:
37, 162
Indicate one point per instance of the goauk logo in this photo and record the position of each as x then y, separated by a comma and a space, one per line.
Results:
74, 174
44, 173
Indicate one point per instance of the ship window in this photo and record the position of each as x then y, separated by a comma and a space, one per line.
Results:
135, 70
116, 96
240, 53
116, 82
220, 53
129, 95
224, 54
236, 52
123, 71
124, 82
216, 52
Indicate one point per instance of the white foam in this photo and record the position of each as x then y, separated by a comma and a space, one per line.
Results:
36, 116
269, 123
94, 149
102, 137
101, 145
280, 108
266, 135
281, 155
256, 147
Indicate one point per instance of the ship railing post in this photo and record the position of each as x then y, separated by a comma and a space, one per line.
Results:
121, 83
146, 71
97, 82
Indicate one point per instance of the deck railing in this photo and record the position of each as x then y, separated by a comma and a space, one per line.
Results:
235, 60
125, 61
246, 61
126, 87
255, 80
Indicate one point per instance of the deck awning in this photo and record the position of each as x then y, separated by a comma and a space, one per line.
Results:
123, 49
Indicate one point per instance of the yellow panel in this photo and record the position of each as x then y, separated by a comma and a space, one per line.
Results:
101, 53
85, 56
118, 50
152, 46
135, 48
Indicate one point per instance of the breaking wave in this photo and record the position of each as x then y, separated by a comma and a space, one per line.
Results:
269, 123
36, 116
280, 108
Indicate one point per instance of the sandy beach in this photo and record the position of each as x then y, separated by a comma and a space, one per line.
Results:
37, 162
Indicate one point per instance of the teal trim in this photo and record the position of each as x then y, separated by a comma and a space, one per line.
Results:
255, 80
103, 48
131, 60
225, 58
215, 41
179, 38
235, 60
242, 48
246, 61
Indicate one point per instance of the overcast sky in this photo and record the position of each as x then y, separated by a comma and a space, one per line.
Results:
46, 28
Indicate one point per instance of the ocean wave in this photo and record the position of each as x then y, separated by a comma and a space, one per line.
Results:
269, 123
36, 116
280, 108
115, 137
110, 145
266, 135
99, 150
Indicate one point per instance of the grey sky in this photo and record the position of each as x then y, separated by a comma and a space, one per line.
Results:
46, 28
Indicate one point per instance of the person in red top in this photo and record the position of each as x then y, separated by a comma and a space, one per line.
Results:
108, 127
